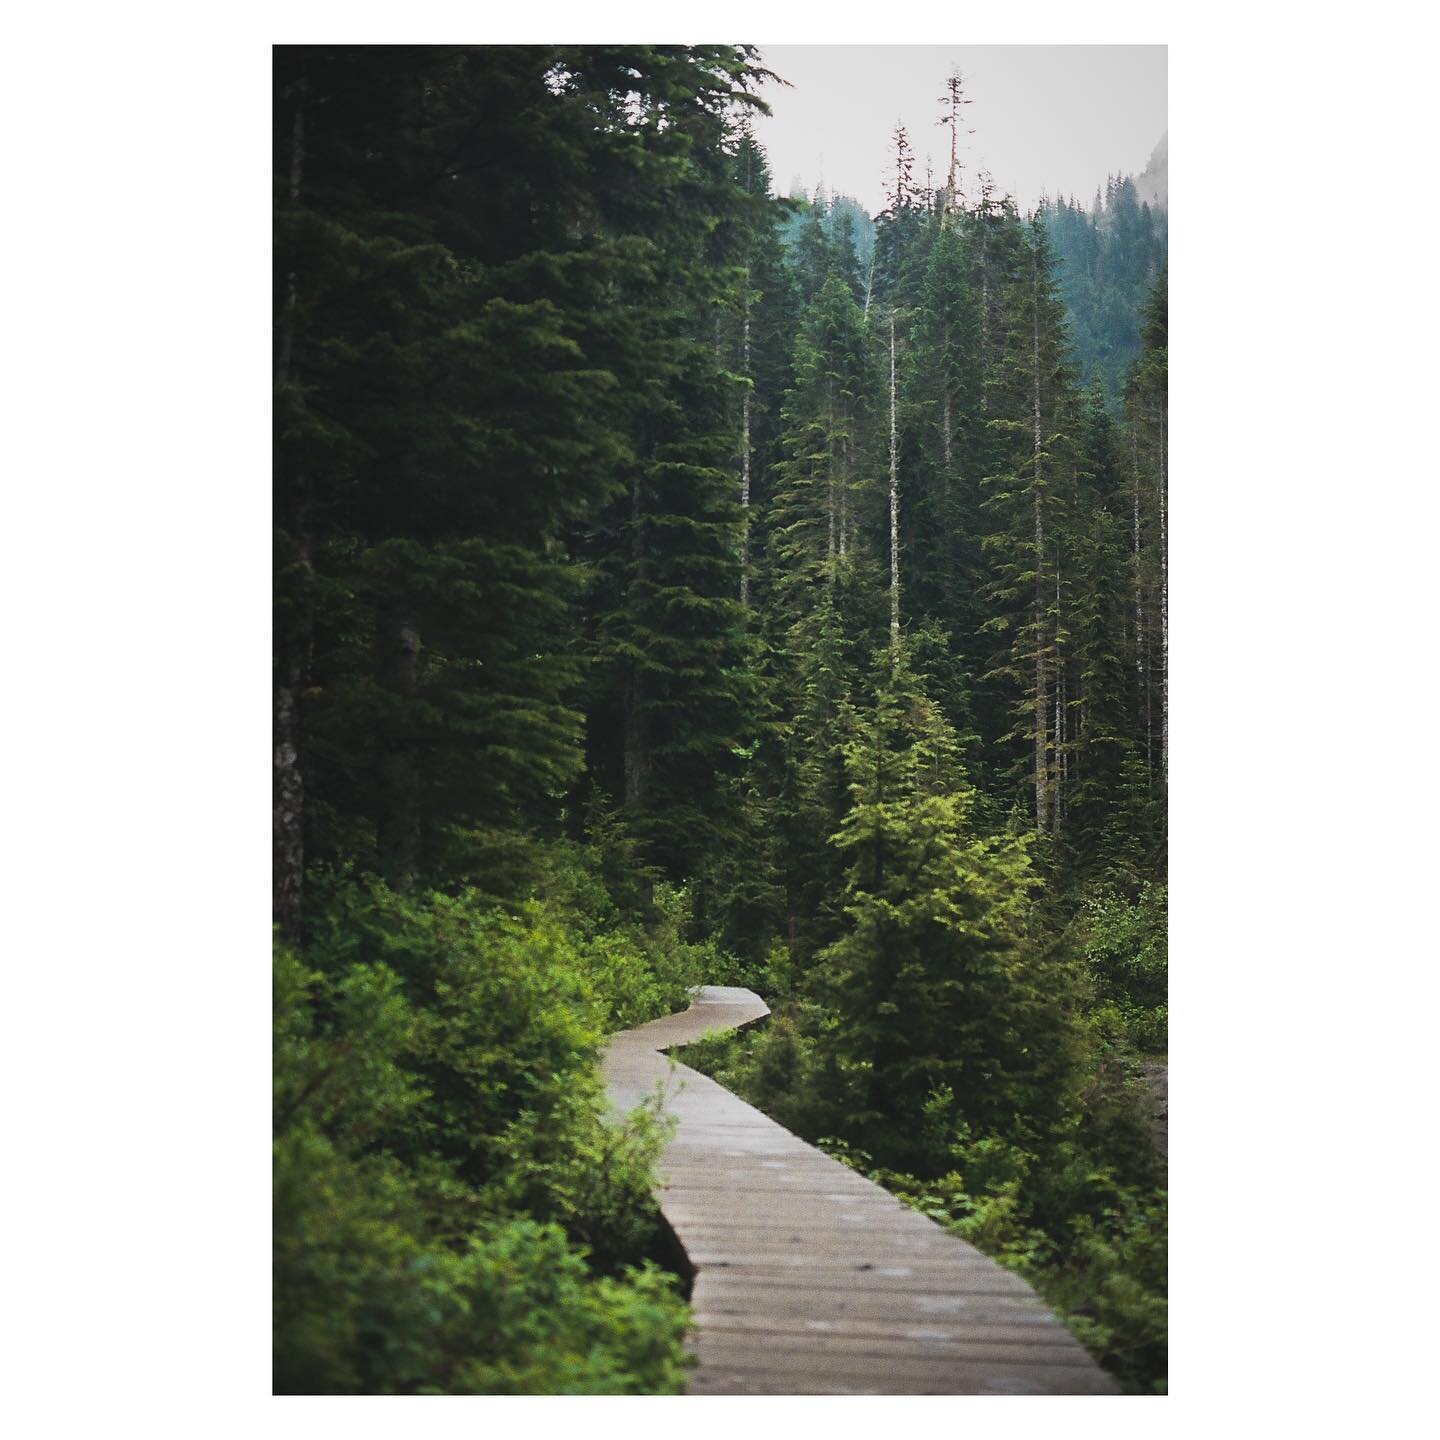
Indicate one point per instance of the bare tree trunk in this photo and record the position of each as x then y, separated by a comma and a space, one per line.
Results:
288, 816
844, 494
1060, 757
1164, 610
294, 637
1149, 722
399, 828
297, 161
745, 453
869, 286
984, 311
947, 448
635, 757
894, 502
1042, 785
830, 544
1141, 681
984, 298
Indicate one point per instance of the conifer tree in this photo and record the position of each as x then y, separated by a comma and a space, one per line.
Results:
674, 698
449, 349
761, 340
953, 118
946, 381
1107, 828
816, 484
814, 252
1032, 420
901, 234
932, 986
1145, 402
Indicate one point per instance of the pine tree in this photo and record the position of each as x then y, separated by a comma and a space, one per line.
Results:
945, 380
816, 484
1145, 402
814, 252
673, 698
1107, 828
952, 117
1107, 264
1032, 421
457, 231
932, 986
761, 338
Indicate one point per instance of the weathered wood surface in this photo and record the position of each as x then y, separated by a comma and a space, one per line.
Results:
810, 1279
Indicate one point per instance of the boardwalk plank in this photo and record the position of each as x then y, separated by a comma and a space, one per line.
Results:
809, 1279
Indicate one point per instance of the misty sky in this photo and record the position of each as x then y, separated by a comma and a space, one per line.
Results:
1052, 118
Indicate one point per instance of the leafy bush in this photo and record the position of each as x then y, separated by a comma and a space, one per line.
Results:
1111, 1286
1123, 946
1103, 1264
454, 1210
365, 1305
1077, 1208
776, 1067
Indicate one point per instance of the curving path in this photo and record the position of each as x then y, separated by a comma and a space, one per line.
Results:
810, 1279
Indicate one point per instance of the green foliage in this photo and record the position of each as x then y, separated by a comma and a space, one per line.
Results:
365, 1307
454, 1210
934, 984
1124, 949
776, 1067
1108, 261
1103, 1268
1112, 1288
536, 313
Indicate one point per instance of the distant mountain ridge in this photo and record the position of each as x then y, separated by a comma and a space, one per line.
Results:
1152, 184
1109, 258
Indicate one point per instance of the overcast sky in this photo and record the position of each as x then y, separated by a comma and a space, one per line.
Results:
1051, 118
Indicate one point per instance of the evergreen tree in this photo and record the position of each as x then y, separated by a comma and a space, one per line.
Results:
1107, 832
458, 229
1146, 402
761, 338
812, 249
1032, 421
945, 381
932, 986
817, 484
600, 472
1107, 263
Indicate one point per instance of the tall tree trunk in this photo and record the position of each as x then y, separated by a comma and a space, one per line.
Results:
947, 447
399, 827
297, 163
294, 634
635, 757
830, 411
1142, 688
1060, 717
894, 502
1164, 609
288, 801
984, 308
1042, 779
745, 452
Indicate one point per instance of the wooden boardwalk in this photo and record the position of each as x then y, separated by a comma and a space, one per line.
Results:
810, 1279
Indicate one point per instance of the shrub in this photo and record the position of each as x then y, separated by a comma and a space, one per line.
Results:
454, 1210
1124, 949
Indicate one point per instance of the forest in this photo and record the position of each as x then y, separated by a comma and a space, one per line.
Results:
676, 583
